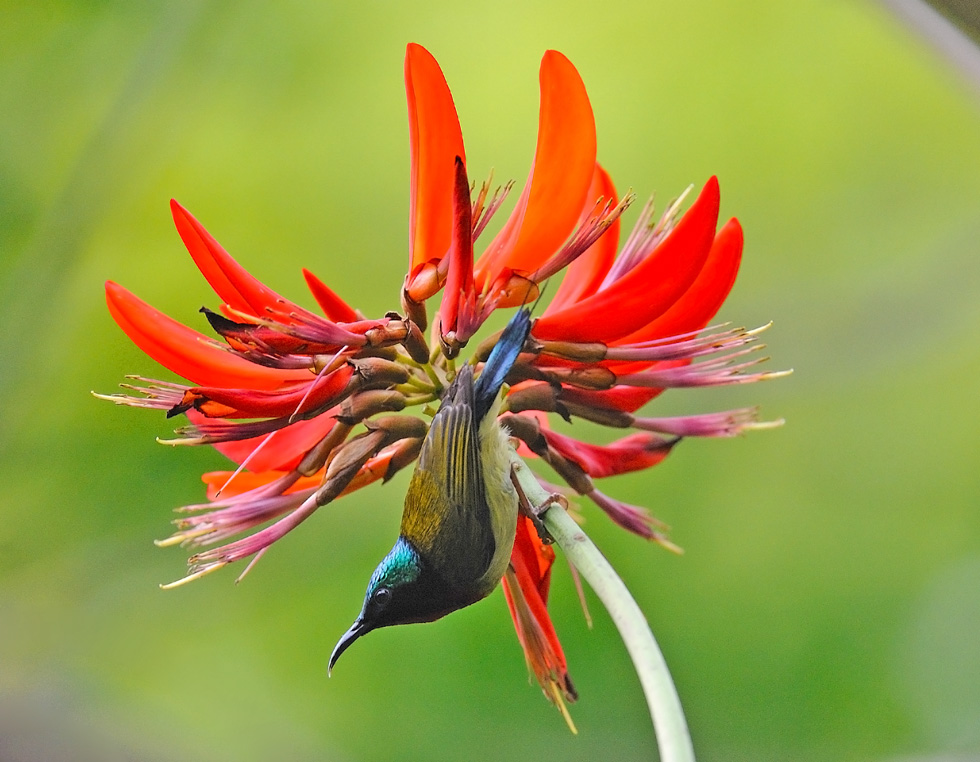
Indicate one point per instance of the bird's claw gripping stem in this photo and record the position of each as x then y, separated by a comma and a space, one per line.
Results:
536, 512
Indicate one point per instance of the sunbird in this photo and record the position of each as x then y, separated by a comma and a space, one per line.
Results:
461, 508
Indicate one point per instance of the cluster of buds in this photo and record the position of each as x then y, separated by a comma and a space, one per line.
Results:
314, 406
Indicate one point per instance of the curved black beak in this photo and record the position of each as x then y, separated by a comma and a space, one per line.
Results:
356, 630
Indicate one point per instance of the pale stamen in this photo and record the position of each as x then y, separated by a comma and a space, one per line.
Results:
644, 238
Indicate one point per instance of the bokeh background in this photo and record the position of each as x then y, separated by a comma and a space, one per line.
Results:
828, 605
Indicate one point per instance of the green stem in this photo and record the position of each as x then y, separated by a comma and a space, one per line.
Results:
673, 738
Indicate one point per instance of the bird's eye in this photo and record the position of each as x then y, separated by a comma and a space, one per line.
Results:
381, 597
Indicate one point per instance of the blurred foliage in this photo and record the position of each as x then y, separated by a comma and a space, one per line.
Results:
964, 13
829, 602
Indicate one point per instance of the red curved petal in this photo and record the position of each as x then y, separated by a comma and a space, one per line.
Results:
333, 306
626, 398
277, 403
284, 450
232, 282
564, 162
187, 352
699, 304
584, 276
246, 481
649, 289
436, 141
459, 277
526, 592
534, 559
375, 468
633, 453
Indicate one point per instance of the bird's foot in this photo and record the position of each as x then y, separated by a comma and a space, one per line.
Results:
535, 512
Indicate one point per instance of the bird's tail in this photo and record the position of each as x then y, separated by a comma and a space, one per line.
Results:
501, 360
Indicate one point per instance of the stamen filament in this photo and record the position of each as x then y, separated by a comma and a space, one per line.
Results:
202, 572
252, 563
327, 368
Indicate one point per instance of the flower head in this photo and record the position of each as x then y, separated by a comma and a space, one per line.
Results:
313, 406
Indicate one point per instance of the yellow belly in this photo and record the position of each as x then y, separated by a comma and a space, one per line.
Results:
501, 496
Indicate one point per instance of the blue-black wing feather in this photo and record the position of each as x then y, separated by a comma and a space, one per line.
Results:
501, 360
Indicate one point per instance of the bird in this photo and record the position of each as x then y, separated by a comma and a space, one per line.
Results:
461, 508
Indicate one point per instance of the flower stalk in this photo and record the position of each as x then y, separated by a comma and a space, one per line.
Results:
670, 726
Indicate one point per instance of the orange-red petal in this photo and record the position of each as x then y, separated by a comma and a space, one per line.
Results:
333, 306
436, 141
232, 282
564, 162
246, 481
633, 453
186, 352
272, 403
459, 277
649, 289
375, 468
532, 560
526, 592
702, 300
283, 451
626, 398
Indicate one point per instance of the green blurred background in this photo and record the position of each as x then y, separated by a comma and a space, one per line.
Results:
828, 605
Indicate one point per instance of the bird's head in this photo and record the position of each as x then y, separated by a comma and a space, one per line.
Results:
403, 589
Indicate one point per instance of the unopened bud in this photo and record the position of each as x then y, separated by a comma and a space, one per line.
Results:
536, 395
585, 378
450, 344
527, 429
346, 462
395, 427
313, 460
406, 451
378, 373
393, 332
570, 471
415, 343
327, 363
413, 309
363, 405
385, 353
617, 419
568, 350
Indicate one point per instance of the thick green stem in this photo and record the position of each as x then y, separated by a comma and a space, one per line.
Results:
673, 738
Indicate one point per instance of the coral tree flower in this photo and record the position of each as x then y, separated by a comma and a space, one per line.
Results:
313, 406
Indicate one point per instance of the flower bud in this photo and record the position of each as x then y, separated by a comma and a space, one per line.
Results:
365, 404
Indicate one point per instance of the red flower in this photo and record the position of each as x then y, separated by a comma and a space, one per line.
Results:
312, 406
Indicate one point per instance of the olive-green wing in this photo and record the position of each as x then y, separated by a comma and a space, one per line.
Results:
446, 514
